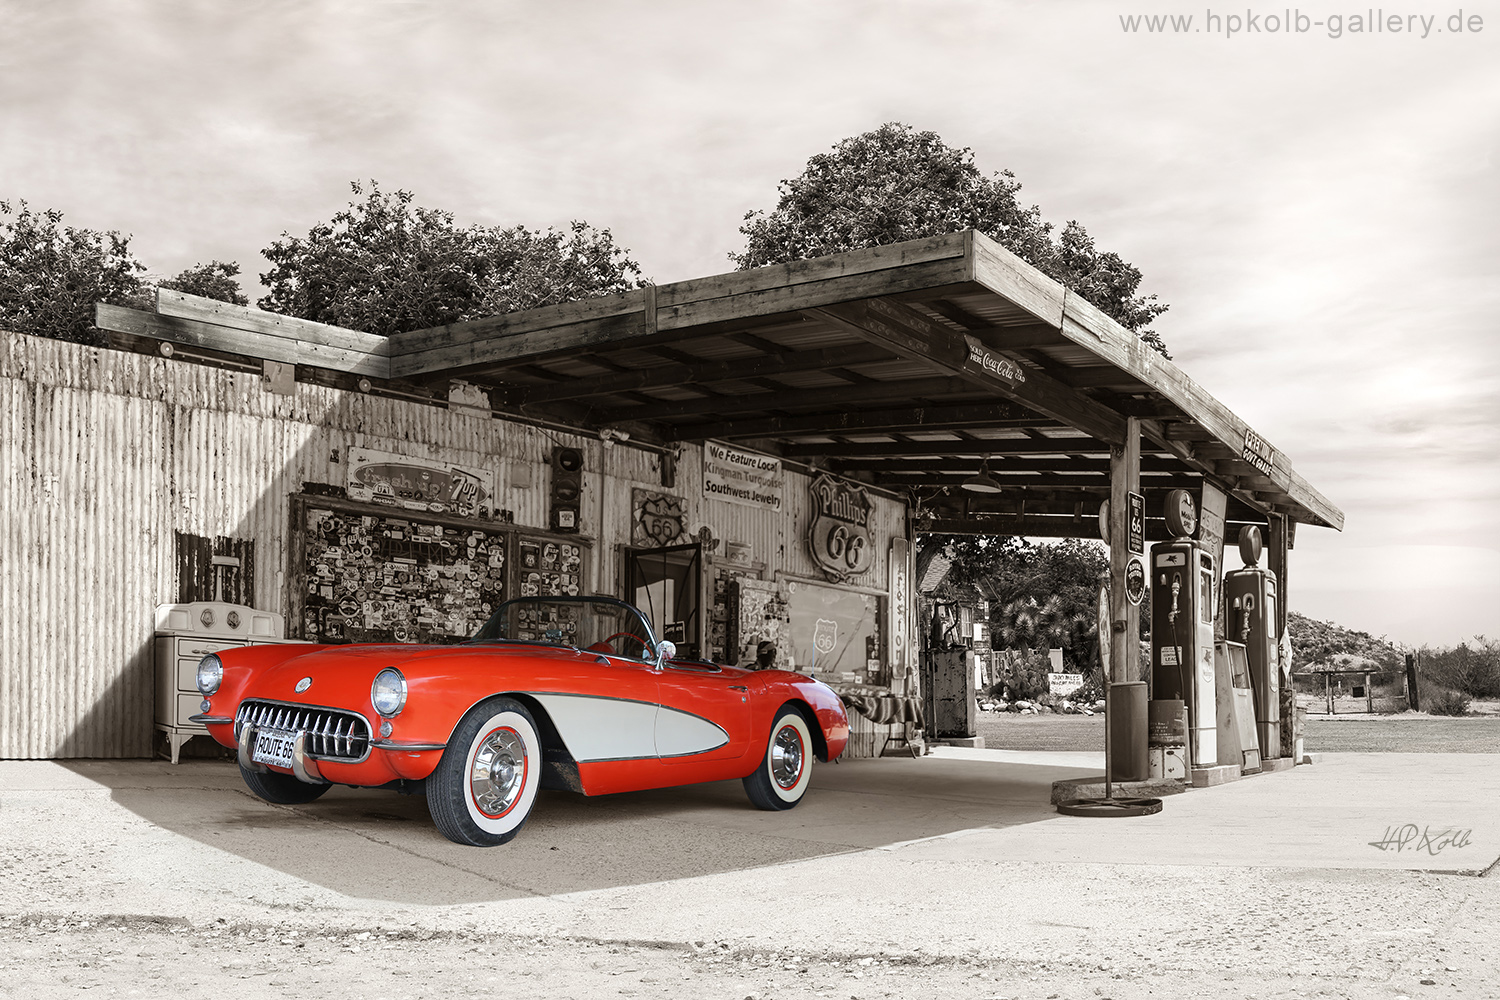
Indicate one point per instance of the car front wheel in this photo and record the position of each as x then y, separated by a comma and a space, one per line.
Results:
782, 777
486, 783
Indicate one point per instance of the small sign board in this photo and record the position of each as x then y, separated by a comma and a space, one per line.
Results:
742, 477
1103, 626
1257, 452
1135, 525
991, 364
1064, 684
416, 484
839, 537
1135, 580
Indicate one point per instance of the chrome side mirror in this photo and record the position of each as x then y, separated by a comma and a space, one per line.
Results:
666, 650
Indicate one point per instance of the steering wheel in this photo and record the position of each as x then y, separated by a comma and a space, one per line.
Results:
621, 635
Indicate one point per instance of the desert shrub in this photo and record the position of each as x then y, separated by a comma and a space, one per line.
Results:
1473, 669
1092, 690
1444, 701
1026, 674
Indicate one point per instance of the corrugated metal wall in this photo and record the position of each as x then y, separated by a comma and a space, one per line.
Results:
105, 454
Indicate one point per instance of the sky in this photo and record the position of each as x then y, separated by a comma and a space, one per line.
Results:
1319, 207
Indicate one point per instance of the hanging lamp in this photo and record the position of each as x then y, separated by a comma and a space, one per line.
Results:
983, 482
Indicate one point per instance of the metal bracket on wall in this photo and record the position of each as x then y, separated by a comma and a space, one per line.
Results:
279, 378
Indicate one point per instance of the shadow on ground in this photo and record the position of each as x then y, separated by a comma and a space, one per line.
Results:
382, 845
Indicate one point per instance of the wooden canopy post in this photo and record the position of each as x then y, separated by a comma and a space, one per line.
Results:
1122, 757
1124, 479
1276, 559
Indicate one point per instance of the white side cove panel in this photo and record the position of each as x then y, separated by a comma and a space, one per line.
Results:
603, 728
681, 733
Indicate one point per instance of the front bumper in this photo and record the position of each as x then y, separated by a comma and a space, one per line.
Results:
384, 761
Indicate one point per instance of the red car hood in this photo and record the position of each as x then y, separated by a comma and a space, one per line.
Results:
341, 675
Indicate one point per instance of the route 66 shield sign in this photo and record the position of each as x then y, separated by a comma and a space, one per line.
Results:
825, 636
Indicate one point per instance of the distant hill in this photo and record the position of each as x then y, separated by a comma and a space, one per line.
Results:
1329, 645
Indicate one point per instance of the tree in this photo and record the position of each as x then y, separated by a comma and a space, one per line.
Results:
215, 280
1041, 596
385, 265
51, 275
895, 183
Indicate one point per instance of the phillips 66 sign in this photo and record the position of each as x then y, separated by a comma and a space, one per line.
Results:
839, 536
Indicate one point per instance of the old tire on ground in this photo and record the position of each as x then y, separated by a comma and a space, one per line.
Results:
786, 767
487, 780
282, 789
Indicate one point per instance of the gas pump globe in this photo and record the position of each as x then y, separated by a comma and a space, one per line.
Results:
1250, 596
1182, 627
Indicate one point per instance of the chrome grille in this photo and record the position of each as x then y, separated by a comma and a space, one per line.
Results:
331, 734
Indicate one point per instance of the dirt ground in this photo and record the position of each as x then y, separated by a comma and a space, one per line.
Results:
97, 899
1406, 733
55, 957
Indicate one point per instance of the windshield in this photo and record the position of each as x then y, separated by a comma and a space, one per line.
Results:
597, 624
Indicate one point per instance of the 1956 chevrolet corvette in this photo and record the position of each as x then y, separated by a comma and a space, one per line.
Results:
572, 693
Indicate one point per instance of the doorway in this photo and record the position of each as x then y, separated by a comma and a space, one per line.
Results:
667, 585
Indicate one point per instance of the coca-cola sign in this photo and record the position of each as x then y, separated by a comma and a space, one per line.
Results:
839, 537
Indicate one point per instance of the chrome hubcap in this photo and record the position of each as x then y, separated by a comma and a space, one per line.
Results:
498, 771
786, 756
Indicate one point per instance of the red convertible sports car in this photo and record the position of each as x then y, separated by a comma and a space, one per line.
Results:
571, 693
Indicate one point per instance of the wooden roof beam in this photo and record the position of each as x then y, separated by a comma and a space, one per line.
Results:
996, 447
791, 399
906, 332
883, 420
198, 322
1000, 467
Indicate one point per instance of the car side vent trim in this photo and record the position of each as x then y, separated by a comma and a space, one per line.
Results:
332, 734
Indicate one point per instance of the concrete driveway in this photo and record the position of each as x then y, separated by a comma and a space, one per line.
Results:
1272, 886
382, 846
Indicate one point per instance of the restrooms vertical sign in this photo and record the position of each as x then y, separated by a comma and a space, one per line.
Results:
743, 477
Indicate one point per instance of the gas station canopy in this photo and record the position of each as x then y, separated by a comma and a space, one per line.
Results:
913, 367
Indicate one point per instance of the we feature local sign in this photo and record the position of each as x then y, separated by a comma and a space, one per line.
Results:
743, 477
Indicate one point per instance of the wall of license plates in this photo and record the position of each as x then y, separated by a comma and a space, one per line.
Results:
364, 573
548, 567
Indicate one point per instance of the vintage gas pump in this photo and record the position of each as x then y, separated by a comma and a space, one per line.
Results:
1182, 627
1250, 600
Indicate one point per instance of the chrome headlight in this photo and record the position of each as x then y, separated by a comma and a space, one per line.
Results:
388, 693
210, 674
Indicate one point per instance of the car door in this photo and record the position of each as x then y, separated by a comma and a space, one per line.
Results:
704, 714
604, 707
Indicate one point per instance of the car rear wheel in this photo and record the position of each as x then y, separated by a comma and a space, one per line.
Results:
786, 768
282, 789
486, 783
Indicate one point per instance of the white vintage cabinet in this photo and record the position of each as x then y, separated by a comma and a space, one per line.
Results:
185, 633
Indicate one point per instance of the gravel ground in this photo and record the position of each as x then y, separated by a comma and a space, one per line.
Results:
1342, 734
1203, 934
97, 899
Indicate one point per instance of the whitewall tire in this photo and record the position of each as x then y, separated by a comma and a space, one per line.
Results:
486, 783
786, 766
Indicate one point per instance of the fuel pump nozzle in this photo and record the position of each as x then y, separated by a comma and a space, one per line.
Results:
1176, 589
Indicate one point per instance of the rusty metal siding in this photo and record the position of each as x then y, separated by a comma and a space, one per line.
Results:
81, 519
105, 455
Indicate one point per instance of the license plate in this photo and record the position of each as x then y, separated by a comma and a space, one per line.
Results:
274, 747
